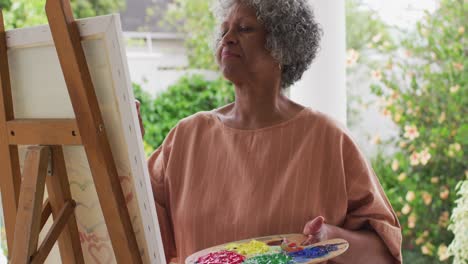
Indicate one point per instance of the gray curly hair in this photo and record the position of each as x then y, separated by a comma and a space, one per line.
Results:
293, 35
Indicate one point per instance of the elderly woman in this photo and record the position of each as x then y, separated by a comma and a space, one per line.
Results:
264, 164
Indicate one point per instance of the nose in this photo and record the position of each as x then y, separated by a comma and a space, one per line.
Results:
229, 38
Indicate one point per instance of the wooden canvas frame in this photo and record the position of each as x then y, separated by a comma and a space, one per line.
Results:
91, 128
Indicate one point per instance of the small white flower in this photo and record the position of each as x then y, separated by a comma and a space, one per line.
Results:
406, 209
377, 75
352, 58
414, 159
410, 196
377, 38
411, 132
424, 156
461, 30
455, 88
395, 165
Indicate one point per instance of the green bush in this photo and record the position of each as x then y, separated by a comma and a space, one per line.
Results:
459, 226
188, 96
423, 89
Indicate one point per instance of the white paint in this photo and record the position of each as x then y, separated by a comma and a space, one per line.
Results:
323, 86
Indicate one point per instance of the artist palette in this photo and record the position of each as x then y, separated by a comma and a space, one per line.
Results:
278, 249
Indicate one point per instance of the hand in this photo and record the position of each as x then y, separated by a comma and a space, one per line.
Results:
316, 230
142, 128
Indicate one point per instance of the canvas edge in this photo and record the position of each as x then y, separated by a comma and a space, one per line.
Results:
41, 35
135, 144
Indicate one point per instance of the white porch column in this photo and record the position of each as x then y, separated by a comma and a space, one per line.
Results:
323, 86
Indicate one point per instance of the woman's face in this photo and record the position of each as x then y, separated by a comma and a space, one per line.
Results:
241, 51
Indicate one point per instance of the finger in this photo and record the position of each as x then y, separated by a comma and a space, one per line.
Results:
312, 239
314, 226
138, 104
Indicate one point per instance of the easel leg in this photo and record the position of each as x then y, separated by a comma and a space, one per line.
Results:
10, 176
58, 189
31, 197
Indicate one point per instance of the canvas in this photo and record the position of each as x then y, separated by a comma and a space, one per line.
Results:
39, 91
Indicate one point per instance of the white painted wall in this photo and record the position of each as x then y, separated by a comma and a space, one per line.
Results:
323, 86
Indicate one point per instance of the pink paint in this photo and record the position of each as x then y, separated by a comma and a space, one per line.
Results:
224, 256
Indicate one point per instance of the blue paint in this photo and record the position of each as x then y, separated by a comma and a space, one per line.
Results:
313, 252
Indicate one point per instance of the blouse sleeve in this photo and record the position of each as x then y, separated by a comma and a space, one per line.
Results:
157, 166
368, 207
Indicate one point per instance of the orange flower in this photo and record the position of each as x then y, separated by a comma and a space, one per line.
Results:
458, 66
444, 194
444, 219
427, 198
412, 221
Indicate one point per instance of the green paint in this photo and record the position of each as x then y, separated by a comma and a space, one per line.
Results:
269, 259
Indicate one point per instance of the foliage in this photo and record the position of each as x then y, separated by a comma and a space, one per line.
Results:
459, 226
195, 19
423, 88
364, 30
188, 96
363, 26
24, 13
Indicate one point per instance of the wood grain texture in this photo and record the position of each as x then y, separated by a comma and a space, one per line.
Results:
46, 213
30, 204
58, 189
81, 90
10, 175
43, 132
60, 222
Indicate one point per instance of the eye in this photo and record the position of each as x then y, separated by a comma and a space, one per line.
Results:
245, 29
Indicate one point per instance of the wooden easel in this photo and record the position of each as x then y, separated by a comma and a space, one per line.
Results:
22, 199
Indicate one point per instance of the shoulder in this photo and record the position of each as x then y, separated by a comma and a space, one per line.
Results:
190, 126
317, 121
199, 120
330, 130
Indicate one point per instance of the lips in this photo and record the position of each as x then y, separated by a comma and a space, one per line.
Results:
229, 54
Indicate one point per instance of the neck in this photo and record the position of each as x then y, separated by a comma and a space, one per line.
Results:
259, 103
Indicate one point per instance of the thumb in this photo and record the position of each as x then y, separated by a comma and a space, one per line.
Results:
314, 226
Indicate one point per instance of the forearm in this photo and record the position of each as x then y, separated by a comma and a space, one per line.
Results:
364, 246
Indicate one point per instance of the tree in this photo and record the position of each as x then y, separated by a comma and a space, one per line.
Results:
188, 96
424, 89
195, 19
23, 13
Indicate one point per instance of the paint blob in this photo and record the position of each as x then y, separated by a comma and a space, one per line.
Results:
225, 257
269, 259
253, 247
313, 252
